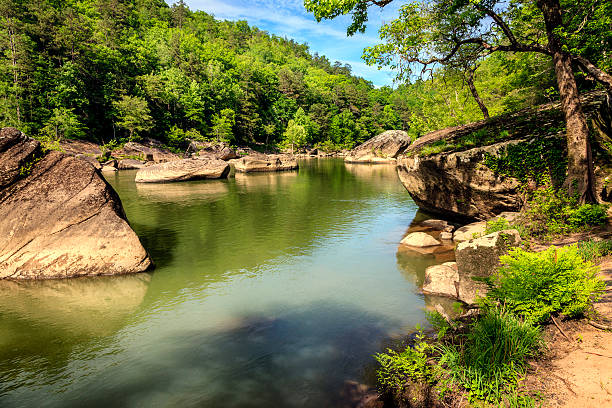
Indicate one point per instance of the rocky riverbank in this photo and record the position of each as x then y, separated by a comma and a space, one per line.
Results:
476, 171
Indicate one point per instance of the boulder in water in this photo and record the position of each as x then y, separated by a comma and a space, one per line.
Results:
58, 217
383, 148
183, 170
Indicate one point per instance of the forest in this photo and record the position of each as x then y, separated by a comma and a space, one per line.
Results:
110, 71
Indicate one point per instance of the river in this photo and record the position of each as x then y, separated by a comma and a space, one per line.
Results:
270, 290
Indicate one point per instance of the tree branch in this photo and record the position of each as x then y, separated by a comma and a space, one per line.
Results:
600, 75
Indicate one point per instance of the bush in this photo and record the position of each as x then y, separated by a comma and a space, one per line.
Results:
497, 224
492, 357
588, 214
410, 364
552, 212
592, 250
536, 285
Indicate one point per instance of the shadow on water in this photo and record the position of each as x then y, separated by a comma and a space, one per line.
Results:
297, 359
159, 242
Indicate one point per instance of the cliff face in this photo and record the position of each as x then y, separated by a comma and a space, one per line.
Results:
475, 171
58, 217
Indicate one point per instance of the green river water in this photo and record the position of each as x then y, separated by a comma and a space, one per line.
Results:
271, 290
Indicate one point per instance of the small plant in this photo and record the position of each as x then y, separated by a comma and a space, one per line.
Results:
588, 215
591, 250
497, 224
492, 357
410, 364
536, 285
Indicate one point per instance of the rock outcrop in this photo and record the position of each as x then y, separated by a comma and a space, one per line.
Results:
458, 185
384, 148
130, 164
260, 162
445, 171
479, 258
58, 217
219, 151
183, 170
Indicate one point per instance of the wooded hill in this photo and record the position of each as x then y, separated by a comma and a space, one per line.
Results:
109, 70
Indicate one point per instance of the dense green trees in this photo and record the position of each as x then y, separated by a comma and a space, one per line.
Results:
104, 69
451, 33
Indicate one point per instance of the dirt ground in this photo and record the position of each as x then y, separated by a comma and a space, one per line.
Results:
577, 370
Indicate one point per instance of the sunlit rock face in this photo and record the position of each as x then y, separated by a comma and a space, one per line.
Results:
383, 148
183, 170
58, 217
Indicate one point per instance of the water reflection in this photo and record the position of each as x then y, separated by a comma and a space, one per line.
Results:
270, 290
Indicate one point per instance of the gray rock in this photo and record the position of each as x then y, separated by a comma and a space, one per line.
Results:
384, 148
438, 225
442, 280
152, 152
130, 164
447, 236
420, 239
183, 170
89, 159
58, 217
479, 258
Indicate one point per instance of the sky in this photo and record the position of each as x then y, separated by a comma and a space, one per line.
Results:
289, 19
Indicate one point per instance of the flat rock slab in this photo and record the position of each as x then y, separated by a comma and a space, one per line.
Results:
261, 163
470, 231
59, 218
183, 170
130, 164
420, 239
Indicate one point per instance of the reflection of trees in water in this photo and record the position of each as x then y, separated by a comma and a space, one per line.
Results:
43, 322
262, 216
298, 359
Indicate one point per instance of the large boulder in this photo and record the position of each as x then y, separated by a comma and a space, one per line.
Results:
479, 258
219, 151
470, 231
383, 148
58, 217
151, 151
258, 163
458, 185
183, 170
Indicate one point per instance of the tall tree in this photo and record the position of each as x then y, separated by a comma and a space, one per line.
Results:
434, 32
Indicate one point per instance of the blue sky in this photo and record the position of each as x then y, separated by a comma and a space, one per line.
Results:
289, 18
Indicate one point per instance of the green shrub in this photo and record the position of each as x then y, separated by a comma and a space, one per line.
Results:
536, 285
551, 211
592, 250
588, 214
492, 357
497, 224
410, 364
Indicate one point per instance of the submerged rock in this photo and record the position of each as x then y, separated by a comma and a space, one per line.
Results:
257, 163
383, 148
58, 217
183, 170
420, 239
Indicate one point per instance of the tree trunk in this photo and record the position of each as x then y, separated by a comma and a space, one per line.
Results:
470, 82
580, 165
